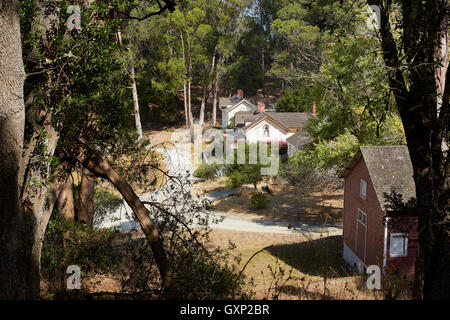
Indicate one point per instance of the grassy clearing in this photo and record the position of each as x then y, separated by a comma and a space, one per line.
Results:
294, 267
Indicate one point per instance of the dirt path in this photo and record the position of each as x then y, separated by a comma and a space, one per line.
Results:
255, 224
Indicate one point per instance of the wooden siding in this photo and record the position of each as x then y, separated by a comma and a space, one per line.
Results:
404, 264
352, 202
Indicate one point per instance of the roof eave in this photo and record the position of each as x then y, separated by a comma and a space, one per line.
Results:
344, 172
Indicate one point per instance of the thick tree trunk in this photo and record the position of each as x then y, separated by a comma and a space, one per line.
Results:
65, 202
137, 115
14, 243
100, 166
85, 204
418, 102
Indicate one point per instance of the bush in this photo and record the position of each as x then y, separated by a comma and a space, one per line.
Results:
71, 243
207, 171
240, 174
259, 200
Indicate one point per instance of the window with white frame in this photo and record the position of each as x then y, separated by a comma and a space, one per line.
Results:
363, 189
398, 245
266, 130
362, 217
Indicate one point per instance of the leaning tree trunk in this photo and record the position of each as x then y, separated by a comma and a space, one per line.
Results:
14, 245
85, 204
101, 167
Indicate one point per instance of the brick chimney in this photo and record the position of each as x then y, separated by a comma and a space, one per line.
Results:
314, 111
240, 93
261, 107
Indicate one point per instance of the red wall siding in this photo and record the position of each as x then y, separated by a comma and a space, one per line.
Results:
352, 202
404, 264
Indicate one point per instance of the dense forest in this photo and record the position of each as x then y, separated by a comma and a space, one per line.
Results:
76, 102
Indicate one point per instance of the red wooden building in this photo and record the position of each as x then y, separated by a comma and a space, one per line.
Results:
368, 241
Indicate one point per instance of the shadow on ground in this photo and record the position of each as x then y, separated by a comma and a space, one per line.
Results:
315, 258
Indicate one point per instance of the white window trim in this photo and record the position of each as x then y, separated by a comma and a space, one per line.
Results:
364, 214
268, 130
360, 188
394, 255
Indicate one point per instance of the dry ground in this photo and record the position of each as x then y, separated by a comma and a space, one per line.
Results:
287, 203
295, 267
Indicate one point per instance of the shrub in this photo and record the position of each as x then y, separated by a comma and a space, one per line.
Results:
71, 243
207, 170
240, 174
259, 200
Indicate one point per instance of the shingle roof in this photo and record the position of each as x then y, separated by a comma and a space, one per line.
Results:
300, 138
230, 103
227, 101
289, 120
390, 168
241, 117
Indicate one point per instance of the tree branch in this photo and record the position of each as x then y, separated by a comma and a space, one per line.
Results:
169, 5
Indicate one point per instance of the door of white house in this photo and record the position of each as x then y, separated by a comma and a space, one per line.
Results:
361, 235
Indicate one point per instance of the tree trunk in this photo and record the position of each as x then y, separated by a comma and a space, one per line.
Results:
418, 101
185, 97
191, 118
85, 207
14, 242
100, 166
263, 72
202, 107
65, 203
137, 115
186, 109
214, 106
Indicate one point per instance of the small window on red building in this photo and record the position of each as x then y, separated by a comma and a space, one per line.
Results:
362, 217
363, 189
398, 245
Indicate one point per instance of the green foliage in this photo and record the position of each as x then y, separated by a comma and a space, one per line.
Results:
259, 200
241, 174
71, 243
298, 100
328, 154
231, 125
105, 202
207, 170
200, 278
